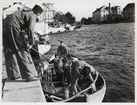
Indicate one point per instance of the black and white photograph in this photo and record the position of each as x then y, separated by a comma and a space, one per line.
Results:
68, 51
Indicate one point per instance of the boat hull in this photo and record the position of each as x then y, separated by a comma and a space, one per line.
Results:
96, 97
44, 48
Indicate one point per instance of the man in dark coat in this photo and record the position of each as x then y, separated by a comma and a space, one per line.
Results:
18, 38
58, 66
62, 50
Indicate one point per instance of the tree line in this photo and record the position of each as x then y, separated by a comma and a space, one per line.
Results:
64, 18
69, 18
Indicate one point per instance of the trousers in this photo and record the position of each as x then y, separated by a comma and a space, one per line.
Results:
17, 59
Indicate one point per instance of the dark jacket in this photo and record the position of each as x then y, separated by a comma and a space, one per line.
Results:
22, 20
62, 51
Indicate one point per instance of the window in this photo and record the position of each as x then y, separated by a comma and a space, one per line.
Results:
104, 16
18, 8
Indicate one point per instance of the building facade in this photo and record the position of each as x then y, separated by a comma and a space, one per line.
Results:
48, 13
100, 14
107, 14
129, 12
116, 13
12, 8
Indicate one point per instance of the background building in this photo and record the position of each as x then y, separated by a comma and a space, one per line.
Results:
100, 14
116, 13
12, 8
48, 13
129, 12
107, 14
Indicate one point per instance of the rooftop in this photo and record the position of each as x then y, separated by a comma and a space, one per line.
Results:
99, 9
130, 5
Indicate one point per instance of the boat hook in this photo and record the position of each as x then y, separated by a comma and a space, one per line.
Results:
40, 54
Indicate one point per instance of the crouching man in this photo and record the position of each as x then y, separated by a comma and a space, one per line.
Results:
82, 76
86, 78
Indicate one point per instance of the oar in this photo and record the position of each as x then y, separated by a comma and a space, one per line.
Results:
55, 97
90, 87
52, 95
93, 84
75, 95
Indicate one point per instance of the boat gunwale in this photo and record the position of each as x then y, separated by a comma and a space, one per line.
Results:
103, 88
45, 44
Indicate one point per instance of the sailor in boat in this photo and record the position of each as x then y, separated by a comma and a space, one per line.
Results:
85, 78
77, 72
62, 50
58, 66
67, 66
59, 59
78, 75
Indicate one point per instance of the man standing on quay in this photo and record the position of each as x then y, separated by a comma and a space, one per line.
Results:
18, 38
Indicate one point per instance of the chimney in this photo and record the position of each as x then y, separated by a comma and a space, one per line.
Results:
109, 8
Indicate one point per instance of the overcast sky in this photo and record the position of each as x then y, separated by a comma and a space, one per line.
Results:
79, 8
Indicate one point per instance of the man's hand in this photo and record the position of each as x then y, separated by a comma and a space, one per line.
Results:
29, 47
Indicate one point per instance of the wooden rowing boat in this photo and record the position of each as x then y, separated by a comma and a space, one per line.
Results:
55, 91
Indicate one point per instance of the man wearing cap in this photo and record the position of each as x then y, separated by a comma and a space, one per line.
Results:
62, 50
18, 38
86, 74
77, 68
